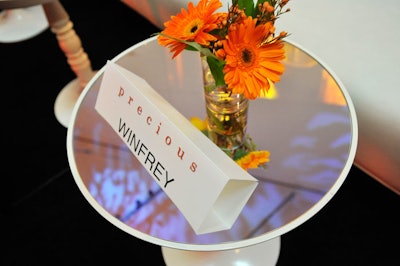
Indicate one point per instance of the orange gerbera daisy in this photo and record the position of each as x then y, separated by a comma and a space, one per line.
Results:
253, 159
191, 25
249, 65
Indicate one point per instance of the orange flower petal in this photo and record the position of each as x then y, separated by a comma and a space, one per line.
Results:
249, 66
192, 24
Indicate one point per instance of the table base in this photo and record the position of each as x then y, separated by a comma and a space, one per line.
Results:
265, 253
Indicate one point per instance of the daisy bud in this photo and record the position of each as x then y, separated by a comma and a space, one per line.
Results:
268, 7
283, 34
220, 53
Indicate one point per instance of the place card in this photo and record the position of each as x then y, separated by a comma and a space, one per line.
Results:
206, 185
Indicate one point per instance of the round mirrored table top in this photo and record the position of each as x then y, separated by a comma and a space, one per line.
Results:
308, 123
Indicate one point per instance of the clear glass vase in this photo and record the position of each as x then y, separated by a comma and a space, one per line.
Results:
226, 113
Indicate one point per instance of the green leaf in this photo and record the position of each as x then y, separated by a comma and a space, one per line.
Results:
247, 6
193, 46
190, 48
239, 153
216, 67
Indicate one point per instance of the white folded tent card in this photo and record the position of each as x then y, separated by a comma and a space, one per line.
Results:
207, 186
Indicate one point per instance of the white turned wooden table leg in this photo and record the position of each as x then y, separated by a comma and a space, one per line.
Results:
77, 58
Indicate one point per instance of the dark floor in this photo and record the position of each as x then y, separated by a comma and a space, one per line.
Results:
47, 221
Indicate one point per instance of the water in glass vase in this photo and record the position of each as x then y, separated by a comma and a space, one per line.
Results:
226, 114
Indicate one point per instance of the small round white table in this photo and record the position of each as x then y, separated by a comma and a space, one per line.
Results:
308, 124
21, 19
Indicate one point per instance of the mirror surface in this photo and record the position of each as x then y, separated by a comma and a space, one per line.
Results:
305, 123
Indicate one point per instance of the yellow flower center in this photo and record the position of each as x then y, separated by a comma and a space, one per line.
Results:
193, 27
